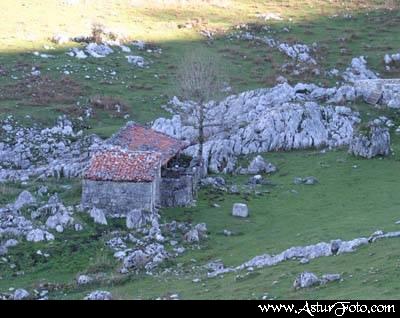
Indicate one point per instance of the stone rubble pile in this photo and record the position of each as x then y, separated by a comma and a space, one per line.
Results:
145, 247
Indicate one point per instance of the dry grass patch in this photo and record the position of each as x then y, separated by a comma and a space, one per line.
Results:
42, 90
112, 105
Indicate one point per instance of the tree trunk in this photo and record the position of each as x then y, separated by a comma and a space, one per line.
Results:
201, 139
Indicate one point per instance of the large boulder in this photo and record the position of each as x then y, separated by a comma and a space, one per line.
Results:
25, 198
375, 142
240, 210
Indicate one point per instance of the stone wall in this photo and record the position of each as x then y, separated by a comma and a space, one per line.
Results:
120, 197
177, 191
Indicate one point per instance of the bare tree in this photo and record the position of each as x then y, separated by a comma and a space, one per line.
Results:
200, 80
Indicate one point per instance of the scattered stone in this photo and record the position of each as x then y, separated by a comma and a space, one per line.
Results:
216, 182
136, 60
84, 280
240, 210
260, 165
330, 278
25, 198
307, 180
21, 294
39, 235
98, 216
99, 295
192, 236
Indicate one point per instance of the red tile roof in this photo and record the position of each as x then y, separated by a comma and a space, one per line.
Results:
119, 165
139, 138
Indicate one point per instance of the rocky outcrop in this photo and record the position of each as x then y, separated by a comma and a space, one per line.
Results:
56, 151
279, 118
376, 142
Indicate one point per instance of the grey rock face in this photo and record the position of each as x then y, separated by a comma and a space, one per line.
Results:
240, 210
98, 216
377, 142
305, 280
21, 294
99, 295
279, 118
25, 198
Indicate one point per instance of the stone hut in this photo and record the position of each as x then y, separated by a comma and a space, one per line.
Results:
143, 169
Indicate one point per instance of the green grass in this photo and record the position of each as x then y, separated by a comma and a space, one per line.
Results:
347, 203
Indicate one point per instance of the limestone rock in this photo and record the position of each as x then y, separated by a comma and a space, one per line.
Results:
278, 118
377, 142
240, 210
84, 280
98, 216
21, 294
192, 236
39, 235
25, 198
326, 278
99, 295
260, 165
305, 280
